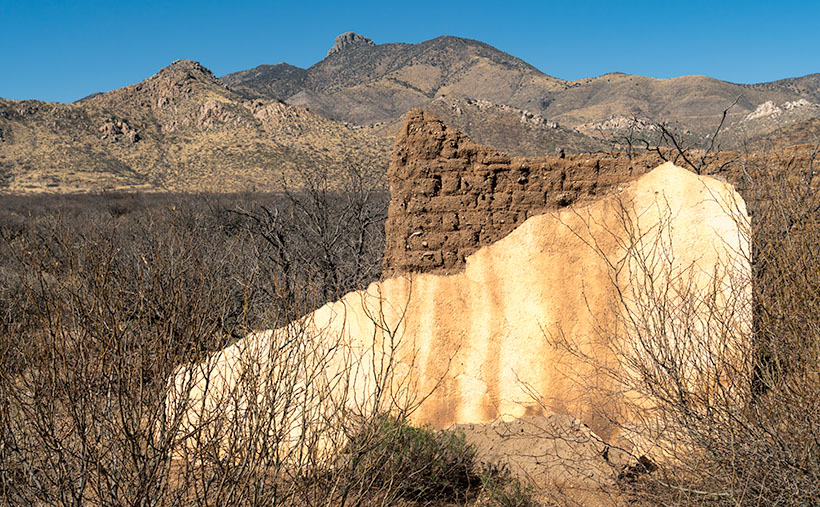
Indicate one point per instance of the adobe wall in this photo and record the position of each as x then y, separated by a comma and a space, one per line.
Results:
450, 196
473, 347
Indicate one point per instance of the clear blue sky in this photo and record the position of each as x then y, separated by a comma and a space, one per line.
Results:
64, 50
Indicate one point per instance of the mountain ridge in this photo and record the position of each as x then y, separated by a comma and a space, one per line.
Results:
379, 91
185, 129
394, 76
181, 129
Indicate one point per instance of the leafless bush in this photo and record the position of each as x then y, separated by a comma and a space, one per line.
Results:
92, 334
319, 242
103, 300
721, 382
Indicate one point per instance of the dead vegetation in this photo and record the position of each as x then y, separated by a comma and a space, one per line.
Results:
761, 450
728, 372
101, 298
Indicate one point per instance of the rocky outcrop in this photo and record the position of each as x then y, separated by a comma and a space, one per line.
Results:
348, 39
116, 130
214, 113
174, 83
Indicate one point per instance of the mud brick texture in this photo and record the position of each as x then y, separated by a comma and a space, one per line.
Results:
450, 196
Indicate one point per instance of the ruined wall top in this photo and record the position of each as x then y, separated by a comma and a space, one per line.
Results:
450, 196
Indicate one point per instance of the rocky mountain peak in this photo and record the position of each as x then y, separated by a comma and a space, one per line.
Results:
175, 92
183, 74
348, 39
186, 67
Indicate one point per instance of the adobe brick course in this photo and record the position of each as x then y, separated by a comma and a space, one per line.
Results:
450, 196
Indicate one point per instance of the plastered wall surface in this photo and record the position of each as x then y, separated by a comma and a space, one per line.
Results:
482, 343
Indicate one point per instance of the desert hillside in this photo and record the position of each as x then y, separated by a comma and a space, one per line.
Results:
365, 83
179, 130
184, 129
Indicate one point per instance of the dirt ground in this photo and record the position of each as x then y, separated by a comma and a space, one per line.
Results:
563, 460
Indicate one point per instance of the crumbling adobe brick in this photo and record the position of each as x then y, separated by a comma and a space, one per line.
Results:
450, 196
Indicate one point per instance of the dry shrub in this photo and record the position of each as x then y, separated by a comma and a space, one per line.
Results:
420, 463
104, 297
729, 374
94, 333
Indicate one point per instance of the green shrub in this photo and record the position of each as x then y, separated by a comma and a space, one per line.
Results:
503, 489
414, 463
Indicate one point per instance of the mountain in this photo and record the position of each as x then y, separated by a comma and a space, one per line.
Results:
268, 81
366, 84
806, 86
692, 103
184, 129
181, 129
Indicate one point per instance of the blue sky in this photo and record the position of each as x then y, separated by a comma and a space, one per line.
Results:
64, 50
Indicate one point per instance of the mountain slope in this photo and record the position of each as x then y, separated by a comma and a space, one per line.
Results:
807, 87
694, 102
799, 132
180, 129
276, 82
366, 84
